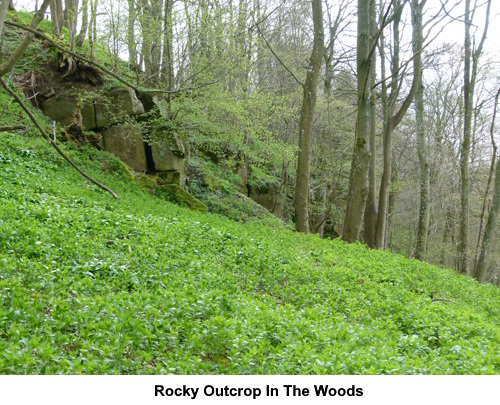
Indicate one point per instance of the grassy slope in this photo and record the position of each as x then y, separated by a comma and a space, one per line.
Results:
93, 285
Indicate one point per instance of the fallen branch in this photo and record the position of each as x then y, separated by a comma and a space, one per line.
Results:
443, 299
11, 127
49, 140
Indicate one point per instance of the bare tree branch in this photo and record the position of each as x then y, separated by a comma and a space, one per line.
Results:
11, 127
277, 57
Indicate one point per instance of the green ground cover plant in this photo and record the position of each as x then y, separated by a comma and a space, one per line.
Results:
97, 286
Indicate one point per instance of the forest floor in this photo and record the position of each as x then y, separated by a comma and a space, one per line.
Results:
89, 284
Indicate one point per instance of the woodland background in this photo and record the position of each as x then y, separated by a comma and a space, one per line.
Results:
371, 121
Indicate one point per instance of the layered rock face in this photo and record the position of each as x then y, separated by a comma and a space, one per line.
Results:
109, 113
170, 150
125, 141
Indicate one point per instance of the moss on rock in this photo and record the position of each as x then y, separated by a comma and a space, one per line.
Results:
177, 195
145, 182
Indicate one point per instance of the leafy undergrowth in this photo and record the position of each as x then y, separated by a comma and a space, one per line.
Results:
93, 285
221, 191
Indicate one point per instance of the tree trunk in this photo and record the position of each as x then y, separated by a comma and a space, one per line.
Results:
423, 217
301, 197
489, 232
488, 183
57, 15
4, 5
393, 194
168, 48
486, 240
71, 19
465, 150
85, 24
93, 27
358, 179
371, 203
131, 41
470, 75
393, 121
157, 34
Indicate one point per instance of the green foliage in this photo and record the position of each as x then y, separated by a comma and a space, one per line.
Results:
212, 176
34, 56
11, 113
140, 286
219, 190
227, 126
23, 17
263, 180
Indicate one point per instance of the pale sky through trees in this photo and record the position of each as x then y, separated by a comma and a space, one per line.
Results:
453, 32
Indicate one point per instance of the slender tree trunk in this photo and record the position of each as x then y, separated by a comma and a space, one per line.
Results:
488, 183
57, 16
93, 27
358, 179
370, 219
470, 75
448, 234
489, 232
301, 197
131, 40
85, 24
393, 121
393, 194
168, 47
465, 150
157, 34
4, 5
423, 218
71, 20
147, 31
484, 243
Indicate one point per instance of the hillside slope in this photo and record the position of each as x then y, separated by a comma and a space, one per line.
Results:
93, 285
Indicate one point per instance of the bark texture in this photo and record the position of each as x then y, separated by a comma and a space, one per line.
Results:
371, 203
470, 76
393, 119
358, 179
423, 217
489, 232
4, 5
301, 197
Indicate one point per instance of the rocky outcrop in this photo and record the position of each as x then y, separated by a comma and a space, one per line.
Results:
97, 111
166, 150
61, 108
265, 198
169, 151
116, 105
125, 141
